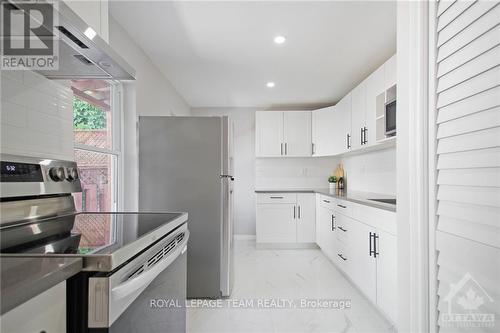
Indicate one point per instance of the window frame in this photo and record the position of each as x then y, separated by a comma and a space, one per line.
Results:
116, 144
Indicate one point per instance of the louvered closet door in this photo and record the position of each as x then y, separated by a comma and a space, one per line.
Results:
468, 164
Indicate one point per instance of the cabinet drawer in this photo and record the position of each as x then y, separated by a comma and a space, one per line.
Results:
273, 198
343, 258
342, 228
344, 207
378, 218
327, 202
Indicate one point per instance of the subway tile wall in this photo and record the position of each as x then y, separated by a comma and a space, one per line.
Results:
36, 117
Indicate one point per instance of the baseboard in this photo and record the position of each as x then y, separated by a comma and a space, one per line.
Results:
244, 237
286, 246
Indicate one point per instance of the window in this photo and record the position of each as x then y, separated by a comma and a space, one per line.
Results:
96, 119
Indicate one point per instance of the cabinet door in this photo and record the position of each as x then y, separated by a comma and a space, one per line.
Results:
45, 312
297, 133
269, 133
342, 136
94, 13
326, 232
390, 72
306, 218
387, 273
358, 115
324, 135
374, 88
276, 223
363, 269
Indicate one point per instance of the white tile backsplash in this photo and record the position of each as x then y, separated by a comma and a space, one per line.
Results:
293, 173
36, 115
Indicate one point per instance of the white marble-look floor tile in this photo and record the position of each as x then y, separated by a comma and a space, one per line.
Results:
291, 275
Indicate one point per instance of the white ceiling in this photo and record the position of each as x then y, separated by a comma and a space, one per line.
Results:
222, 53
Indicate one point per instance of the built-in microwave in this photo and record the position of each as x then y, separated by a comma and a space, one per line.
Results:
390, 118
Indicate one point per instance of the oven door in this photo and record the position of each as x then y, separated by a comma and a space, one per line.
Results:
146, 295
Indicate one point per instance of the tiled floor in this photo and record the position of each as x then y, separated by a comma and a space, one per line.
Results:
287, 275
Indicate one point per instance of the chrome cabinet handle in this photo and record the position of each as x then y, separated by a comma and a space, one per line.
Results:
326, 201
333, 223
342, 206
276, 197
348, 141
286, 148
299, 212
361, 135
281, 148
294, 212
344, 230
365, 140
342, 257
312, 148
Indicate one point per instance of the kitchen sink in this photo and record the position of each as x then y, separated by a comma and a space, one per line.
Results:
387, 201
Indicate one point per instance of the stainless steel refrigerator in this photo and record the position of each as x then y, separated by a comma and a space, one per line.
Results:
185, 164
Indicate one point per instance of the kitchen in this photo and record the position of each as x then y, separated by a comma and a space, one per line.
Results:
242, 174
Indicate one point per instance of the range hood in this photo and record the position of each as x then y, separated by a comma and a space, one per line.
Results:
82, 57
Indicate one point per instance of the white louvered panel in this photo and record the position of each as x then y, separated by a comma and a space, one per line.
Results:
465, 19
485, 234
475, 85
452, 13
443, 5
470, 69
464, 37
488, 138
486, 100
475, 48
482, 196
488, 177
483, 158
474, 122
468, 155
483, 215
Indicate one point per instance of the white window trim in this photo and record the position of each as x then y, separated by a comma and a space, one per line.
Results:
117, 144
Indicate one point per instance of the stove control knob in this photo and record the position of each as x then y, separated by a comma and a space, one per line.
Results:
57, 174
72, 174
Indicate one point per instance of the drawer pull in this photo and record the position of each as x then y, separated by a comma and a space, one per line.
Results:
327, 201
342, 206
344, 230
276, 197
342, 257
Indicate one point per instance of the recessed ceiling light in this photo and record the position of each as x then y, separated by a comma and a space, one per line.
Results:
279, 39
270, 84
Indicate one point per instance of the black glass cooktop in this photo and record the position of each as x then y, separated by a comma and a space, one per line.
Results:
94, 233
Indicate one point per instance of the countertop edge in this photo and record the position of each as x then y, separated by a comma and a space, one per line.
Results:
15, 295
387, 207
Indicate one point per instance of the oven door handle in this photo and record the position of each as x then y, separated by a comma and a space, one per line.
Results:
144, 279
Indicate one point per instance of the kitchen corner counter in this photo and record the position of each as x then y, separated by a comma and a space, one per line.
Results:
23, 278
353, 196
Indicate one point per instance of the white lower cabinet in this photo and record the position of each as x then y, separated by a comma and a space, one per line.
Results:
45, 312
365, 250
387, 276
286, 218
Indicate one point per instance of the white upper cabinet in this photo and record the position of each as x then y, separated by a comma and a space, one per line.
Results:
375, 97
297, 133
343, 137
390, 72
283, 133
324, 131
94, 13
358, 116
269, 134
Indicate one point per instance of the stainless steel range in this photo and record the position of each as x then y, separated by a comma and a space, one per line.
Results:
129, 259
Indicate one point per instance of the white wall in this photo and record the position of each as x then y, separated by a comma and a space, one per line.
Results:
36, 116
372, 172
150, 94
244, 161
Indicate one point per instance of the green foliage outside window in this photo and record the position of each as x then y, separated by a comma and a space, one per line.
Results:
87, 116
